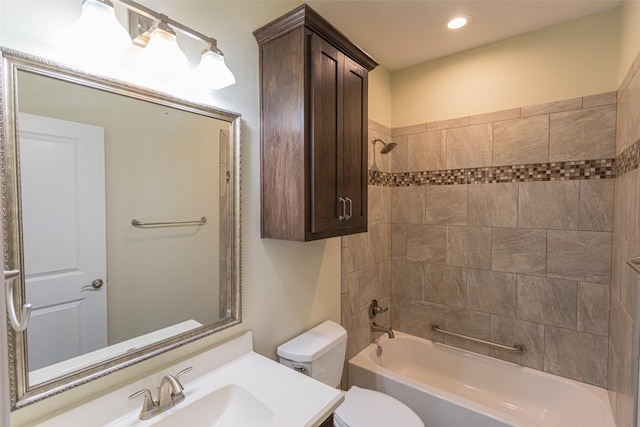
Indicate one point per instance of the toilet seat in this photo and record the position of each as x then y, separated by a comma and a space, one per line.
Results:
370, 408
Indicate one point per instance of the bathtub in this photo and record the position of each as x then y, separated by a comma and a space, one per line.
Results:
449, 387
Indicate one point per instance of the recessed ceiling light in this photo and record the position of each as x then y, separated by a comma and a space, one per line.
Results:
458, 21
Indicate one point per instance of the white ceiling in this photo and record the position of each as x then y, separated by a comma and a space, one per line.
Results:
400, 33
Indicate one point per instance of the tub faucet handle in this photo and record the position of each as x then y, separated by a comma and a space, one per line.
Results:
374, 309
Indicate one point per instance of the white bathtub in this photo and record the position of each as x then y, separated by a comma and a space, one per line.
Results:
449, 387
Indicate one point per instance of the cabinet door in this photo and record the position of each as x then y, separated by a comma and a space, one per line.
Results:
326, 137
354, 146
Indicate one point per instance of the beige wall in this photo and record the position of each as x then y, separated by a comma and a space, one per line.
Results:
570, 60
380, 96
630, 39
287, 287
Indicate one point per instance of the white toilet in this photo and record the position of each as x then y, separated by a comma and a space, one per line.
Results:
320, 353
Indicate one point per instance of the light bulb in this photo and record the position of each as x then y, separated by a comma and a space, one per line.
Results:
162, 56
458, 21
213, 72
97, 38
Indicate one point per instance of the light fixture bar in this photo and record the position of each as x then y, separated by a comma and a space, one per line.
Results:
152, 14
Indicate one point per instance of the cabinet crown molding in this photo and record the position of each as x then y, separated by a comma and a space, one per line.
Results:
304, 15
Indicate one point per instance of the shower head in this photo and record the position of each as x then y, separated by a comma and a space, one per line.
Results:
386, 147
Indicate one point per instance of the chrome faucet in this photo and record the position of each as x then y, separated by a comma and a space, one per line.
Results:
377, 328
170, 393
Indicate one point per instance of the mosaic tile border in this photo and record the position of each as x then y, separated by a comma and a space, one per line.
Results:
553, 171
628, 160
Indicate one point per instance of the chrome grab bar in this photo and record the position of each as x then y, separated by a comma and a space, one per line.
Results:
634, 263
516, 348
18, 324
137, 223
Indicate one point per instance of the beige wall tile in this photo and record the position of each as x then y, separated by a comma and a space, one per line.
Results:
491, 292
444, 285
426, 243
467, 322
576, 355
469, 146
408, 130
493, 205
448, 124
621, 357
551, 204
415, 316
583, 134
396, 158
407, 205
399, 241
380, 129
356, 253
385, 205
469, 247
551, 107
606, 98
593, 308
519, 250
380, 242
579, 255
369, 284
596, 204
628, 128
374, 204
406, 278
513, 113
521, 141
629, 280
508, 331
445, 204
626, 204
616, 262
547, 301
426, 151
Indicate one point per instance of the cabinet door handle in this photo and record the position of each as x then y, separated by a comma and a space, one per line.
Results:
350, 209
344, 208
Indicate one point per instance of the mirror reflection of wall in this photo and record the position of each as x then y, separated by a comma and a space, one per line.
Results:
160, 164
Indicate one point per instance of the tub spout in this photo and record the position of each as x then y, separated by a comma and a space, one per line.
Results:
378, 328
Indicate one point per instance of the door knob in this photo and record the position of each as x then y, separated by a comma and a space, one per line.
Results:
95, 285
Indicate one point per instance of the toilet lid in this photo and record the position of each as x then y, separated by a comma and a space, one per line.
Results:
370, 408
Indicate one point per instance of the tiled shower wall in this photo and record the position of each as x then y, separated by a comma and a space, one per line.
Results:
366, 259
518, 249
500, 228
623, 325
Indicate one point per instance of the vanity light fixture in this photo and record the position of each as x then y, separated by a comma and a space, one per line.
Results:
162, 53
97, 34
212, 64
160, 47
458, 21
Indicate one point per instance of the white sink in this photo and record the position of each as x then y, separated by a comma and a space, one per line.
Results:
229, 386
229, 406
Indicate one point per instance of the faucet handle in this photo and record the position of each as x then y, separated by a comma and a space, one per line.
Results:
184, 371
374, 309
148, 404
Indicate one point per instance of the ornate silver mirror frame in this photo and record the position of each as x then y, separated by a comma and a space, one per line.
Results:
21, 393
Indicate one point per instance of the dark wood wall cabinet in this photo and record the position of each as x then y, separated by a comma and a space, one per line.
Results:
313, 142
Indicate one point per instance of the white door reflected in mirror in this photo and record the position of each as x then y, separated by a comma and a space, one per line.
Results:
63, 206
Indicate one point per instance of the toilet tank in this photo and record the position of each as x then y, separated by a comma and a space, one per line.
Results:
319, 352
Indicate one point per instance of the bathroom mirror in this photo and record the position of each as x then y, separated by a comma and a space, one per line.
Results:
122, 213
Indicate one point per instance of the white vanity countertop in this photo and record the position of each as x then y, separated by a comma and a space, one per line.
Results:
295, 399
